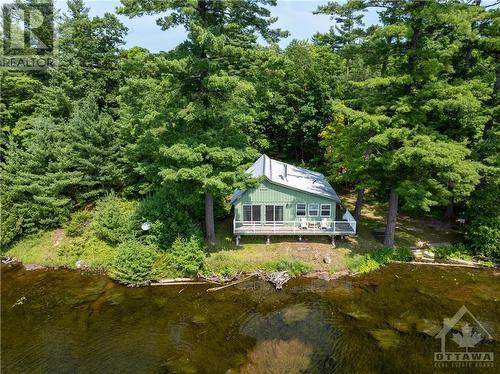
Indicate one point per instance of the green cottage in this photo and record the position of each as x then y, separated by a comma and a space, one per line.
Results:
290, 201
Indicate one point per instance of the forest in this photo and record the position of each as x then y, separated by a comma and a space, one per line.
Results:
404, 111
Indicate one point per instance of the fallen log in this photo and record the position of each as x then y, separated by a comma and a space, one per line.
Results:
175, 283
472, 266
232, 283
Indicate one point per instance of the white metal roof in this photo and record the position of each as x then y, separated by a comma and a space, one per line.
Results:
290, 176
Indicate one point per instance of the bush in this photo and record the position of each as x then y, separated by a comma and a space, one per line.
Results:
452, 251
11, 223
222, 264
186, 255
78, 222
402, 254
112, 219
169, 220
293, 267
134, 262
368, 264
377, 258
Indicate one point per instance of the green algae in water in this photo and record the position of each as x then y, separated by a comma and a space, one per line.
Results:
386, 338
379, 322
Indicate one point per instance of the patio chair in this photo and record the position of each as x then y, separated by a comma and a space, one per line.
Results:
324, 224
303, 223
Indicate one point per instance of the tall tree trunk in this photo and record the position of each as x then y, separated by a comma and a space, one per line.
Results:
361, 191
450, 209
209, 218
392, 215
359, 203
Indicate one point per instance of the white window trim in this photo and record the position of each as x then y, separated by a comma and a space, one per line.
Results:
270, 223
251, 222
329, 209
305, 210
317, 210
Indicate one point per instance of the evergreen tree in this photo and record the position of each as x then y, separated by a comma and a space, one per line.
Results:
207, 148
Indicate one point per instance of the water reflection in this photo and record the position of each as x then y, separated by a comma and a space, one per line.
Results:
382, 322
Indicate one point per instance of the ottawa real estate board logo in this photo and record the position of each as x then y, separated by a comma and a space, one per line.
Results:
27, 35
464, 334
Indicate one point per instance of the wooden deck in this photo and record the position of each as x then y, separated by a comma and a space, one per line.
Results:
294, 228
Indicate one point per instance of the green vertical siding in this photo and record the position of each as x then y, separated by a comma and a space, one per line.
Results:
269, 193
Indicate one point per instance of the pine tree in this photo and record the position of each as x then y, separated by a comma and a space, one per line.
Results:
207, 148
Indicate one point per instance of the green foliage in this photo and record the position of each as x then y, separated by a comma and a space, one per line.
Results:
483, 221
459, 251
78, 223
377, 258
186, 256
35, 179
221, 264
134, 262
368, 264
293, 267
403, 254
168, 216
88, 249
113, 218
11, 222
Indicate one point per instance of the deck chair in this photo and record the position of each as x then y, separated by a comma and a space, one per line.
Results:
324, 224
303, 223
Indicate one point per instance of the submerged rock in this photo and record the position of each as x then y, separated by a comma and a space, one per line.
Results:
278, 356
295, 313
400, 325
386, 338
428, 327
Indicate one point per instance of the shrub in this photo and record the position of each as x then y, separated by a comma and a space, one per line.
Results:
368, 264
222, 264
169, 219
112, 219
134, 262
381, 256
11, 222
292, 267
452, 251
78, 222
402, 254
186, 255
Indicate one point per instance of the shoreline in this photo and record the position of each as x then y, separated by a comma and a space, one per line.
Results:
220, 283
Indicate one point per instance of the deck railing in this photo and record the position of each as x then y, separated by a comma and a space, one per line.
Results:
328, 227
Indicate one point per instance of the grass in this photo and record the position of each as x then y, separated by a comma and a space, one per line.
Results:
54, 248
360, 253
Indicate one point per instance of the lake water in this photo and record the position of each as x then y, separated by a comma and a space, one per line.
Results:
384, 322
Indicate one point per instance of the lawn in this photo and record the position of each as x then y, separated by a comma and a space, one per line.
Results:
55, 248
317, 252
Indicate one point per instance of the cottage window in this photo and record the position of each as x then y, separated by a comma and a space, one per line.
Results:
301, 210
326, 210
247, 213
256, 213
274, 213
313, 210
251, 213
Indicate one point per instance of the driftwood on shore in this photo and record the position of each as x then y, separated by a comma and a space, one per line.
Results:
459, 265
232, 283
